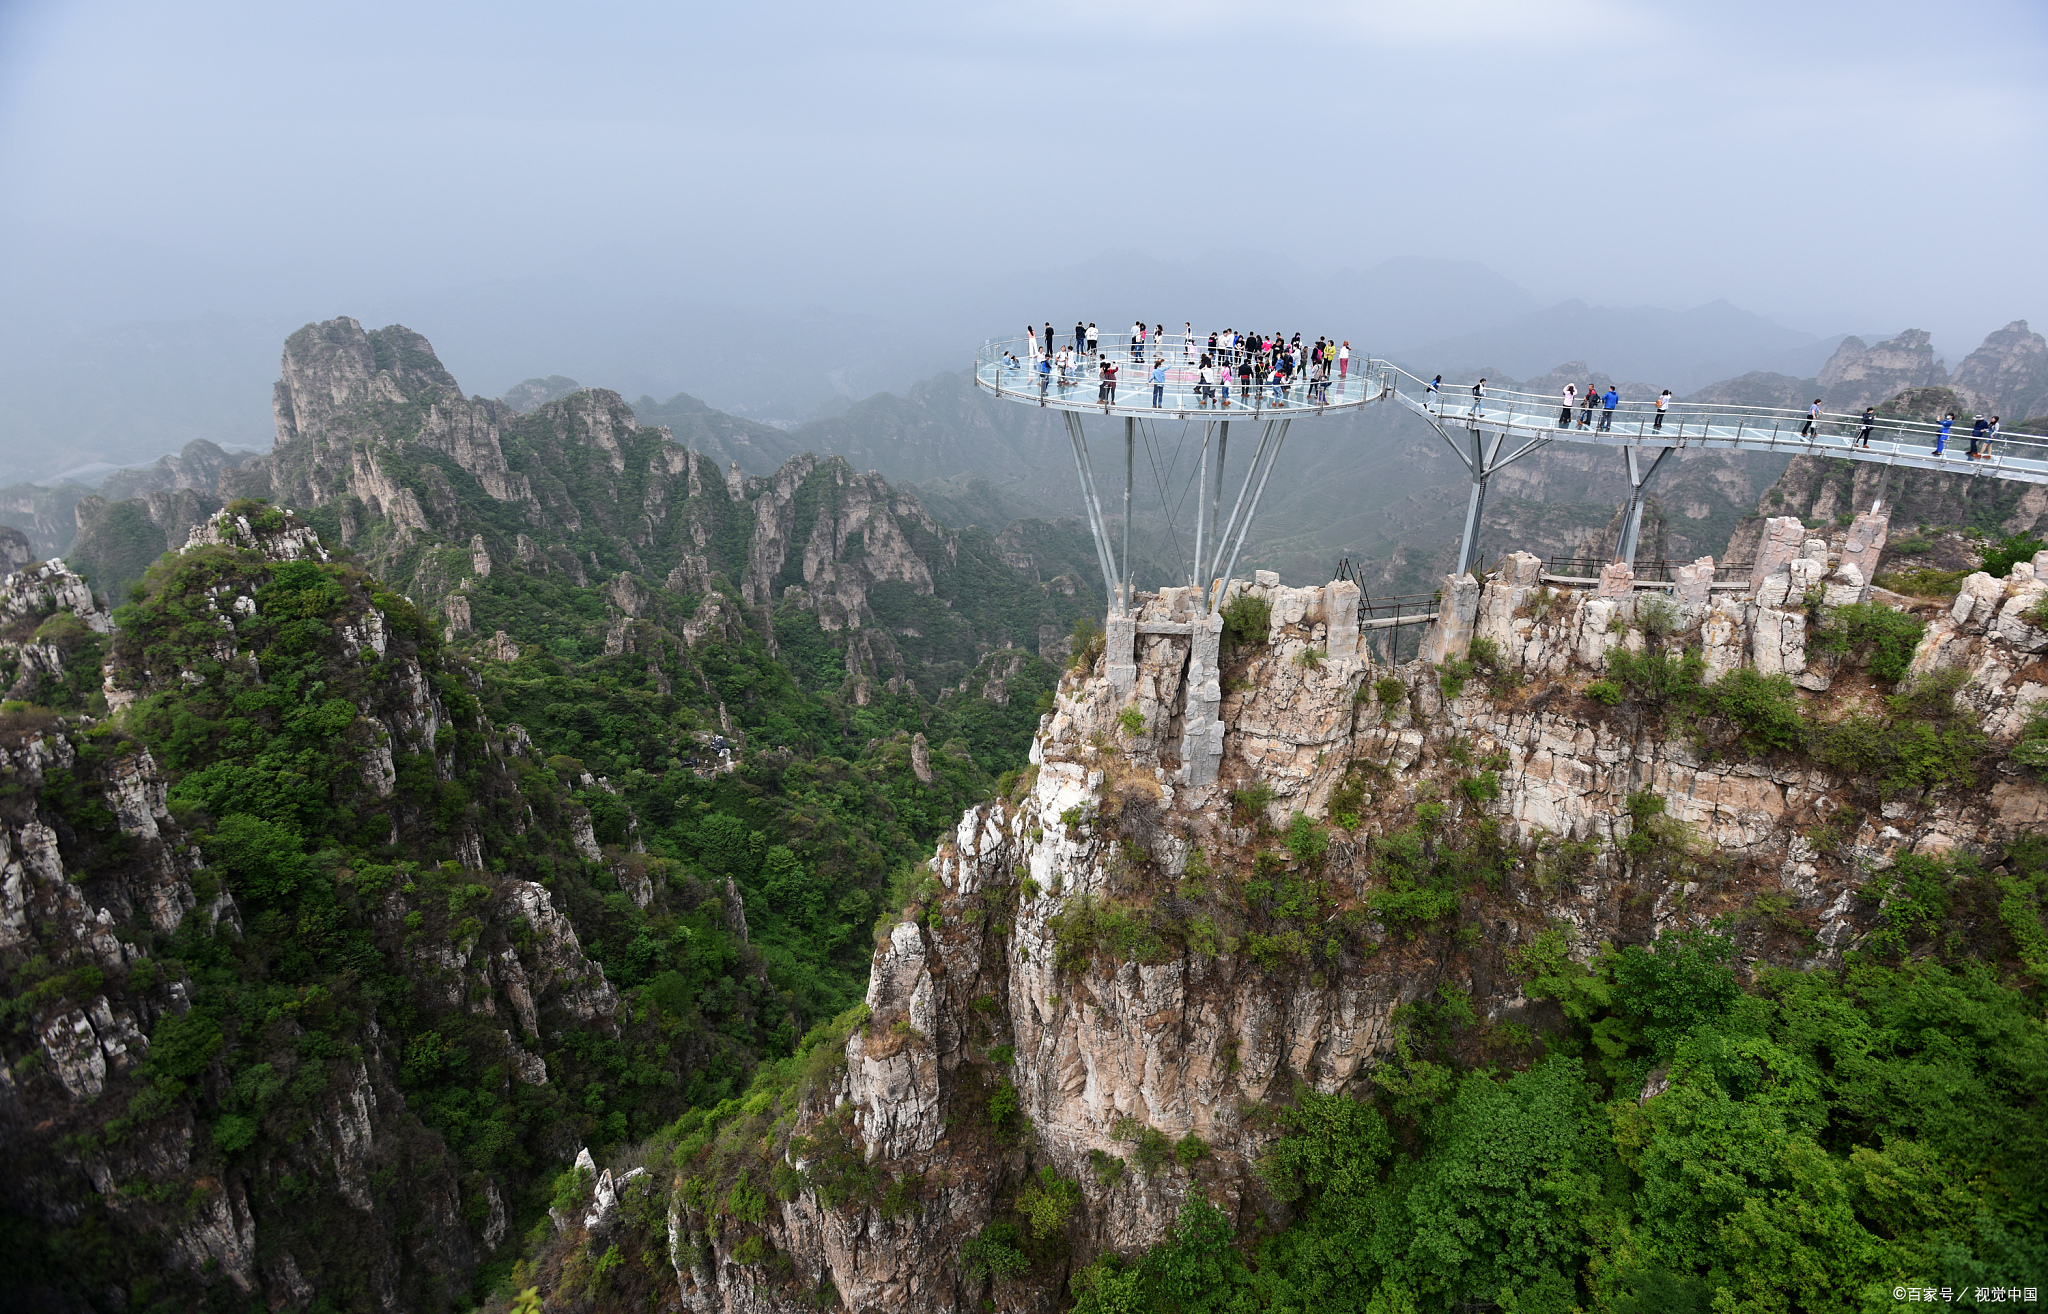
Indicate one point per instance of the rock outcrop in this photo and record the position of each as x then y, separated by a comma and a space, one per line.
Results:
1860, 375
1104, 947
2008, 375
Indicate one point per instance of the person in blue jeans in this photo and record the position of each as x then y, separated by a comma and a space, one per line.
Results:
1941, 439
1158, 382
1608, 401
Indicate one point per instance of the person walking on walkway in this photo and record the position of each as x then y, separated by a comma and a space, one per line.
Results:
1138, 340
1990, 436
1977, 437
1158, 382
1608, 401
1663, 400
1941, 438
1571, 399
1205, 377
1812, 424
1187, 341
1430, 400
1869, 426
1479, 399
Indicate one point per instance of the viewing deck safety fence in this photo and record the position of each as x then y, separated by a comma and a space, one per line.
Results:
1635, 422
1009, 369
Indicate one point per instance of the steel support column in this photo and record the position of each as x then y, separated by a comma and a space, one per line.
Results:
1632, 517
1097, 529
1130, 476
1279, 440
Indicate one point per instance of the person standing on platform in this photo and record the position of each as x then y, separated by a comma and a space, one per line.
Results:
1941, 438
1031, 337
1663, 400
1479, 400
1344, 361
1431, 399
1187, 342
1044, 368
1812, 425
1586, 399
1093, 341
1571, 400
1080, 337
1869, 425
1106, 394
1977, 436
1158, 382
1990, 437
1608, 401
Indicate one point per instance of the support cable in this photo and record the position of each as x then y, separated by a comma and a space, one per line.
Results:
1095, 530
1279, 441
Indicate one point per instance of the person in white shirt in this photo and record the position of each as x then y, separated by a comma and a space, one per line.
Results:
1344, 360
1138, 340
1571, 396
1092, 339
1663, 400
1187, 340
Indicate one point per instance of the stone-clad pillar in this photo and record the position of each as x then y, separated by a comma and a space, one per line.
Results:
1340, 619
1865, 542
1450, 634
1120, 659
1201, 741
1782, 539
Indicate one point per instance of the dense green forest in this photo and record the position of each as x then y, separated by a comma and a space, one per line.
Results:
349, 904
1683, 1144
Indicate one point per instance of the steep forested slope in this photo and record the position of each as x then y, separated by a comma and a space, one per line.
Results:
339, 920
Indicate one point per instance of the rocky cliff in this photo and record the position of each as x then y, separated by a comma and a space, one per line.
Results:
296, 1001
1245, 867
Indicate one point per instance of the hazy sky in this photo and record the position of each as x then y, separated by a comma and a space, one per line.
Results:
1849, 166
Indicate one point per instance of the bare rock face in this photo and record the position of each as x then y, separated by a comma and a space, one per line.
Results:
2008, 375
87, 872
1107, 1050
15, 551
1858, 375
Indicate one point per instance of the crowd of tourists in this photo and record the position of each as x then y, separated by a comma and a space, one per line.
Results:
1249, 369
1584, 406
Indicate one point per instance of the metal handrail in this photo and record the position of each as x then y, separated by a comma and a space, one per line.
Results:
1709, 424
1007, 368
1658, 570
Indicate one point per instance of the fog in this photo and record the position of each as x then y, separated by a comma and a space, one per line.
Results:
656, 197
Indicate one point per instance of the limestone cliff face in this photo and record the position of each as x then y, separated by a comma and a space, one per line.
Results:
1136, 811
2008, 375
102, 882
1861, 374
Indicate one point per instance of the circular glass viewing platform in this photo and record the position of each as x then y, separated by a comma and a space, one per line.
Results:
1006, 368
